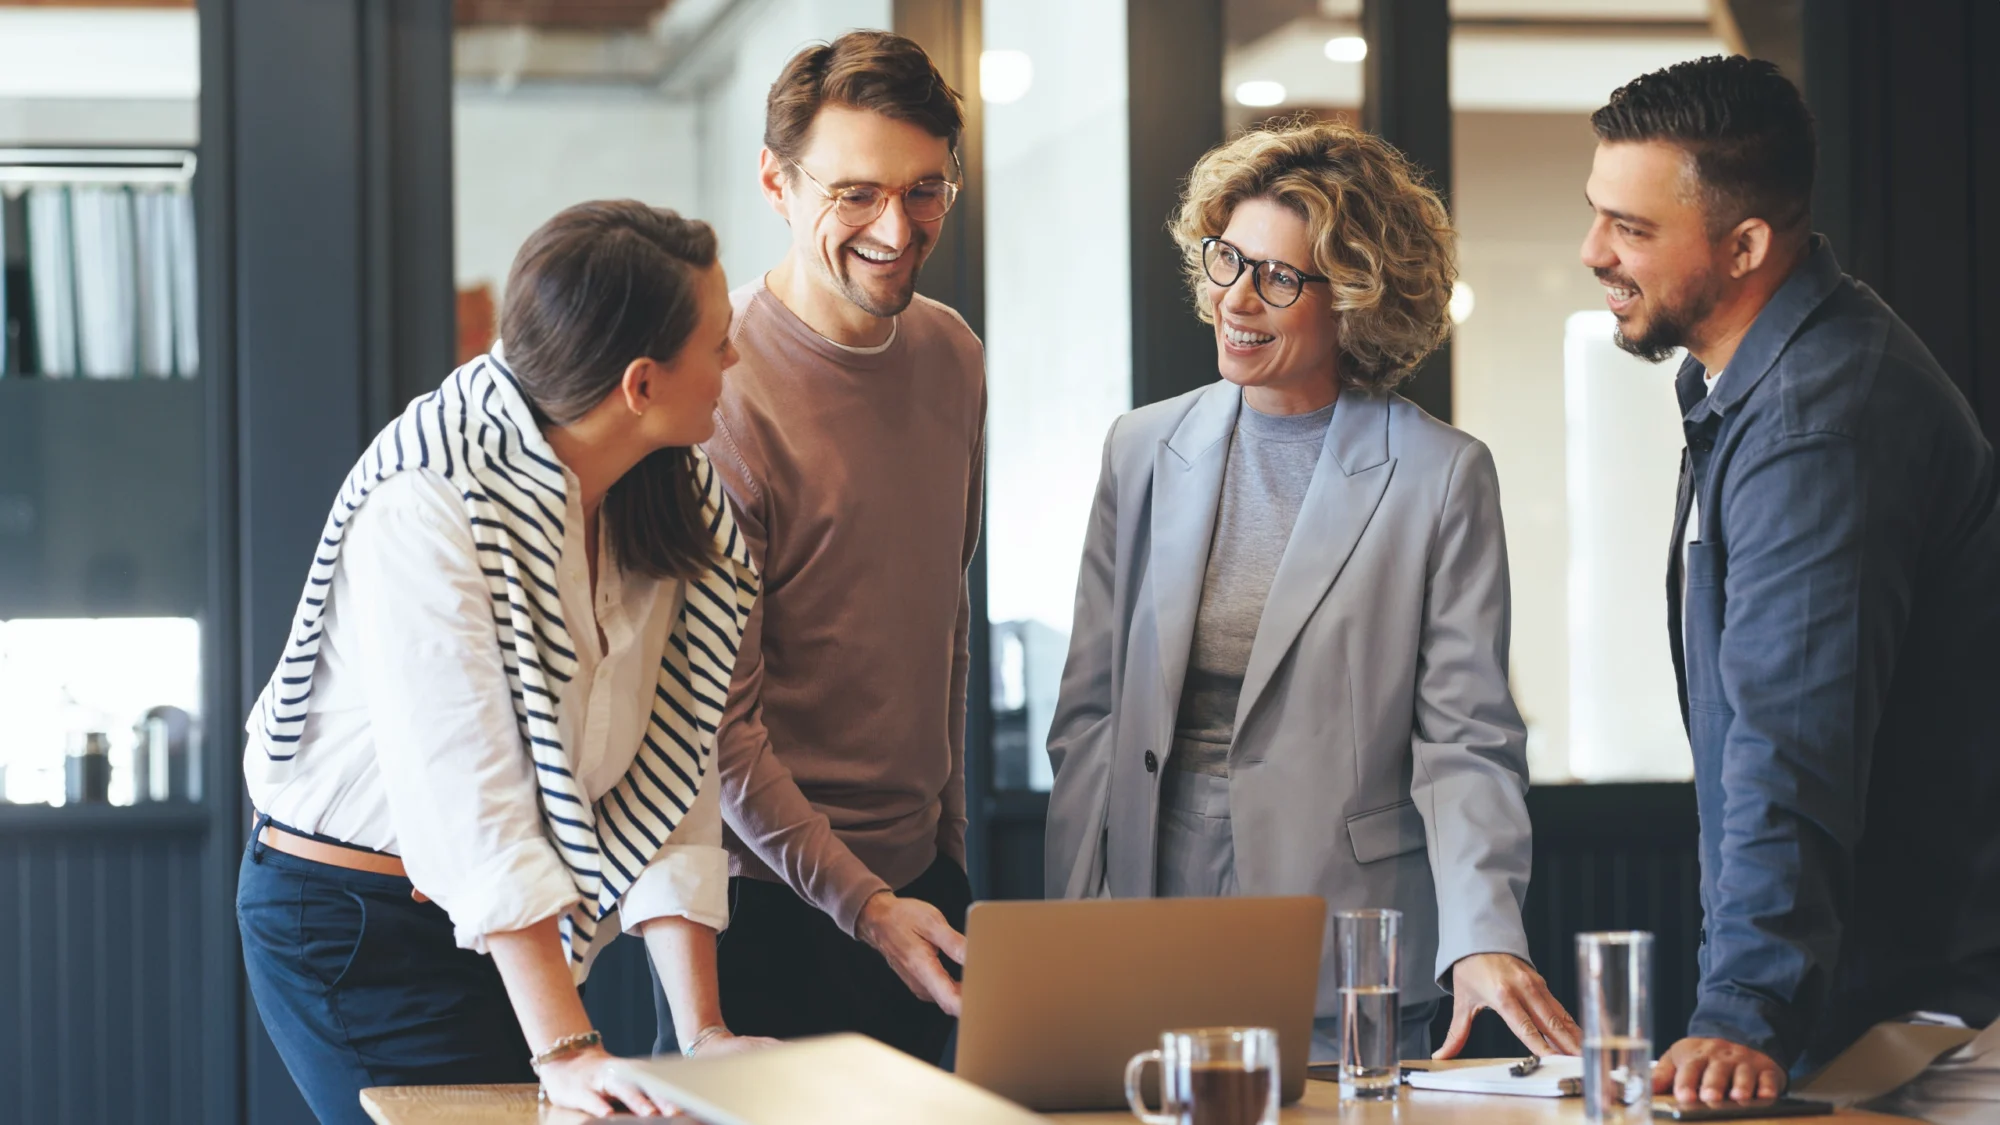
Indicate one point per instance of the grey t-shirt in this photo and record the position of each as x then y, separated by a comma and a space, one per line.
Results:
1271, 462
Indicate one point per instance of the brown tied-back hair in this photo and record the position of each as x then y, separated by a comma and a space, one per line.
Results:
1377, 231
596, 287
877, 71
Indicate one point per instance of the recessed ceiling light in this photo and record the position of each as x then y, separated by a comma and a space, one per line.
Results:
1347, 48
1260, 93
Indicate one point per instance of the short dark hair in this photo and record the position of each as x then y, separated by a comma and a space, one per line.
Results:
593, 289
876, 71
1743, 125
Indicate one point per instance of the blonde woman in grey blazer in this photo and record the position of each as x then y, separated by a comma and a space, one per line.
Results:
1288, 668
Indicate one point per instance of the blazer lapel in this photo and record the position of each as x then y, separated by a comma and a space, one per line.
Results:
1187, 492
1347, 485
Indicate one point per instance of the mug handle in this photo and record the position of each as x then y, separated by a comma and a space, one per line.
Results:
1134, 1069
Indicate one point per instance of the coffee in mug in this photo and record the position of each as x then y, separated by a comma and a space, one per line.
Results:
1210, 1076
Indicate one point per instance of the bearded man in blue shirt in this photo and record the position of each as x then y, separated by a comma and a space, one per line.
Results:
1833, 592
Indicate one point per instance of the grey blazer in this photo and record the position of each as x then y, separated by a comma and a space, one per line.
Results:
1379, 760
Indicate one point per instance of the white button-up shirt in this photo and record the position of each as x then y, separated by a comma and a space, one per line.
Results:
411, 745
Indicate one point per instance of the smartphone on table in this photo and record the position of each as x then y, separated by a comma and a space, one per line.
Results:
1734, 1111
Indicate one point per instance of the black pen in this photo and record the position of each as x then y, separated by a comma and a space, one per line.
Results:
1526, 1066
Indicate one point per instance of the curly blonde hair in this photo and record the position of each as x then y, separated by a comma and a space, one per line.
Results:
1376, 229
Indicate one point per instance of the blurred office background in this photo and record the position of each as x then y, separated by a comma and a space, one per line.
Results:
238, 235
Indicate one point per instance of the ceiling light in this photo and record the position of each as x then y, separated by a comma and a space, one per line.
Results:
1347, 48
1260, 93
1461, 303
1004, 76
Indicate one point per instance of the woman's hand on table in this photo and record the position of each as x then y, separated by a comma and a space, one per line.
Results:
1511, 987
591, 1080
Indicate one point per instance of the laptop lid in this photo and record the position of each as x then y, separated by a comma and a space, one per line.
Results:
1058, 995
829, 1080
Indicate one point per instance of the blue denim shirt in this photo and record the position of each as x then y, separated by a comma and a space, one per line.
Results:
1838, 675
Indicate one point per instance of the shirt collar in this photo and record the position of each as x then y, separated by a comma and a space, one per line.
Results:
1810, 284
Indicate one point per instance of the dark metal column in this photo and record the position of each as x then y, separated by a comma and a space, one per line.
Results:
1174, 63
1407, 101
327, 258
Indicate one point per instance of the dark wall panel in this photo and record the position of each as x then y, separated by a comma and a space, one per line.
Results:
1909, 179
103, 1008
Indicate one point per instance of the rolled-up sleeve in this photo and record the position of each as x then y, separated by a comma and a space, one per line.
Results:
460, 785
1469, 777
689, 878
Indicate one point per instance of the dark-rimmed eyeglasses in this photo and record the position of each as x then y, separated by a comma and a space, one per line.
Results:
1276, 282
857, 205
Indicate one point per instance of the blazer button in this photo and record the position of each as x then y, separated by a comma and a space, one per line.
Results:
1152, 762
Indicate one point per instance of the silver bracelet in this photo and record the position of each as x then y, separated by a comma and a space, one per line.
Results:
702, 1037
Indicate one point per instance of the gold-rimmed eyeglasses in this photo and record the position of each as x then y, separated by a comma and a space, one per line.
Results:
857, 205
1278, 283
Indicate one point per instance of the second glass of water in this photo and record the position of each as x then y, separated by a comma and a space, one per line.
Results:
1370, 964
1615, 999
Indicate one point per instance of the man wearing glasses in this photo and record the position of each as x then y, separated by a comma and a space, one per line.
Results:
850, 439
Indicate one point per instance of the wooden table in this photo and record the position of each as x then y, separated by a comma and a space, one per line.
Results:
515, 1105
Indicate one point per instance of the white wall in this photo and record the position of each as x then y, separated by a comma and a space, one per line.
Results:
526, 154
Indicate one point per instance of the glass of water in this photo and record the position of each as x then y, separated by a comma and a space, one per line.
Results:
1369, 958
1615, 999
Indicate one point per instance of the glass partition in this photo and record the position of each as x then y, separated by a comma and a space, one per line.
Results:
664, 103
103, 524
1058, 337
1587, 439
1292, 58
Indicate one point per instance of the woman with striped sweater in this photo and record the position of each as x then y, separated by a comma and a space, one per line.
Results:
489, 745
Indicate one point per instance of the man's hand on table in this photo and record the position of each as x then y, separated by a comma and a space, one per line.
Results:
1716, 1070
911, 934
1511, 987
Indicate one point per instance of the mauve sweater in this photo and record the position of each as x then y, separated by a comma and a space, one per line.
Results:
858, 479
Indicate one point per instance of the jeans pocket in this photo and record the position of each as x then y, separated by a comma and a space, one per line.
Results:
332, 923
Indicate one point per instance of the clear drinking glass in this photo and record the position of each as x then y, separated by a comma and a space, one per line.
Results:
1615, 999
1210, 1076
1369, 958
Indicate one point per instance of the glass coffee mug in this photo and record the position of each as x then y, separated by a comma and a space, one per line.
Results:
1210, 1076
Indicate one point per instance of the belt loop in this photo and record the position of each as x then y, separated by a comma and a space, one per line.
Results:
257, 837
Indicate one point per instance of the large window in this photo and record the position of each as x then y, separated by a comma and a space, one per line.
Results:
1058, 337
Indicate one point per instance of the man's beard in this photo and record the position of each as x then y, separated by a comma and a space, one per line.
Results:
898, 300
1667, 329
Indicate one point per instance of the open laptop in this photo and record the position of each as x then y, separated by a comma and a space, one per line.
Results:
1058, 995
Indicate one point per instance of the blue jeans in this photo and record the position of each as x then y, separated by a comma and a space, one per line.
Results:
360, 985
